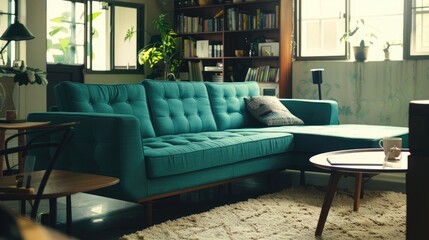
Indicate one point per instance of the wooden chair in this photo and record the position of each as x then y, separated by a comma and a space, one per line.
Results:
55, 137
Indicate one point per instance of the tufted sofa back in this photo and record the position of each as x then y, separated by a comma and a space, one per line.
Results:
162, 107
179, 107
227, 100
119, 99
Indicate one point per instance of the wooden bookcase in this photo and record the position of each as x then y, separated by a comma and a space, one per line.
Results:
197, 23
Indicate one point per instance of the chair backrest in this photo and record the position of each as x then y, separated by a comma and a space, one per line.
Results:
53, 137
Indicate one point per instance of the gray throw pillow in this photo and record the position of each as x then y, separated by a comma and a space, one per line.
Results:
270, 111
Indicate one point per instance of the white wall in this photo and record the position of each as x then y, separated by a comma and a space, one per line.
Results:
33, 98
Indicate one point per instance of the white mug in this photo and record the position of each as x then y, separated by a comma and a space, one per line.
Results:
388, 143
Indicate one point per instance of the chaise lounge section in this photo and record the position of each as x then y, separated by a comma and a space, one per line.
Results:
164, 138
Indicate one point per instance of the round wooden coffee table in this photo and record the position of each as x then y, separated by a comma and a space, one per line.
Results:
357, 162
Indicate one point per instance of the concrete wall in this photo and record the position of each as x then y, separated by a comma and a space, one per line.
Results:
376, 93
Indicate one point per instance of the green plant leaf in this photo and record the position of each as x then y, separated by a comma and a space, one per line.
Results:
94, 16
129, 34
58, 29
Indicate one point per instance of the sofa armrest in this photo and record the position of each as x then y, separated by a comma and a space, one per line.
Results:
103, 144
313, 112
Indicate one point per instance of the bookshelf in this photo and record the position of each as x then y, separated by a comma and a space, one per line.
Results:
210, 34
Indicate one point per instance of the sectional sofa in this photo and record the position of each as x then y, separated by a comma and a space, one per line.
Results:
163, 138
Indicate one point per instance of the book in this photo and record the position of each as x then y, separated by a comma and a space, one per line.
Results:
361, 158
202, 48
195, 71
213, 69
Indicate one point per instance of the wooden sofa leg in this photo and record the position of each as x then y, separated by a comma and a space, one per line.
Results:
271, 182
148, 213
302, 178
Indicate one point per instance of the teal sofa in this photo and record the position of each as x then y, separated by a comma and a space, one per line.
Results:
163, 138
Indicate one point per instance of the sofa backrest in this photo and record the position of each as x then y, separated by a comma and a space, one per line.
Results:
119, 99
228, 106
179, 107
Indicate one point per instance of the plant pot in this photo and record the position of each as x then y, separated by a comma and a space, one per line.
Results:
361, 53
386, 55
205, 2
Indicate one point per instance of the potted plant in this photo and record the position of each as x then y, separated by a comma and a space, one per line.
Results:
162, 50
386, 48
361, 37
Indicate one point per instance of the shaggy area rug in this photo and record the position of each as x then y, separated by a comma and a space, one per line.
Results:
290, 214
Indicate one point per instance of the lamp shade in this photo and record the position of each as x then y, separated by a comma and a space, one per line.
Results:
17, 32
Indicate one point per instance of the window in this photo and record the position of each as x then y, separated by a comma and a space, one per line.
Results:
7, 15
321, 23
320, 26
419, 36
110, 42
387, 23
65, 40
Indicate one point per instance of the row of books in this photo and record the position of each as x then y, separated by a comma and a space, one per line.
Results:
195, 71
186, 3
189, 48
188, 24
242, 20
263, 74
201, 49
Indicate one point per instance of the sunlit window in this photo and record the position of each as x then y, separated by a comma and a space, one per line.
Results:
321, 26
322, 23
387, 23
113, 34
419, 44
125, 38
7, 15
65, 40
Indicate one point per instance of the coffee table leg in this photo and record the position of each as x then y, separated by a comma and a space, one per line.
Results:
68, 214
358, 190
329, 196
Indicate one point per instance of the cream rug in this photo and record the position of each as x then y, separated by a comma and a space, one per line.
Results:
290, 214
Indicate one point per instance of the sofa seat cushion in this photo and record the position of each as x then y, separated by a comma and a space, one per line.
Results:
324, 138
182, 153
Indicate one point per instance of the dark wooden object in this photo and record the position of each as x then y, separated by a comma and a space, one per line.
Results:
418, 171
57, 73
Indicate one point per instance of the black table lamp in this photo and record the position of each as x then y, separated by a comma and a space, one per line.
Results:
16, 31
318, 79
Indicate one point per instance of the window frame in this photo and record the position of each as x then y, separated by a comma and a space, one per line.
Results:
408, 28
407, 31
298, 35
11, 48
87, 42
139, 34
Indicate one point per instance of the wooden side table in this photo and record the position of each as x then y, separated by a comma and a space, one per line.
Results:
21, 127
60, 184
